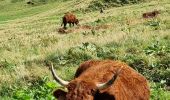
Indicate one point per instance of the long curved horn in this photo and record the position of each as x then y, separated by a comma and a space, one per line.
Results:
57, 78
110, 82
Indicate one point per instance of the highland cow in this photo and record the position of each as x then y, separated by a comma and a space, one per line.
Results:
69, 18
103, 80
151, 14
30, 2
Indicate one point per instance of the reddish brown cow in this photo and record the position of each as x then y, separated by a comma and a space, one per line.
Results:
151, 14
104, 80
69, 18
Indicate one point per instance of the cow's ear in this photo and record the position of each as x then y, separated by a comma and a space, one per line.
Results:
60, 94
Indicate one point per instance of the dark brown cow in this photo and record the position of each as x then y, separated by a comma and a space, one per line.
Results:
69, 18
104, 80
151, 14
30, 2
101, 10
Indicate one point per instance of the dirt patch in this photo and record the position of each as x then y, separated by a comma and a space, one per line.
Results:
83, 27
86, 27
64, 31
94, 27
102, 27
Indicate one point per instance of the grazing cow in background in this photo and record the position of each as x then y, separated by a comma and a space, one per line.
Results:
30, 2
69, 18
101, 10
104, 80
151, 14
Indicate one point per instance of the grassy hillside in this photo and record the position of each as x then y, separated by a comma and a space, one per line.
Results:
29, 39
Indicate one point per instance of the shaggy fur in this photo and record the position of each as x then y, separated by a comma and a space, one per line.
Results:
151, 14
129, 85
69, 18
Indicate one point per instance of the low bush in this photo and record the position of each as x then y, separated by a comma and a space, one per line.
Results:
14, 1
97, 4
39, 89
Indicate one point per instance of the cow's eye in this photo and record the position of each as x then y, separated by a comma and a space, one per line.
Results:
69, 88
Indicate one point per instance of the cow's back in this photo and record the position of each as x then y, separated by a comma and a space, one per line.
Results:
130, 85
82, 68
69, 17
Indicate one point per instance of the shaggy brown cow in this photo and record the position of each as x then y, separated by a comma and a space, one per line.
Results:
151, 14
30, 2
104, 80
69, 18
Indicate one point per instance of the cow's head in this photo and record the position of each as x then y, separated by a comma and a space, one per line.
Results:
79, 89
156, 12
77, 22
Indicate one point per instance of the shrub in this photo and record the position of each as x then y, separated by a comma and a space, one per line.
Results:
94, 5
97, 4
14, 1
84, 52
124, 1
156, 49
154, 24
38, 89
158, 93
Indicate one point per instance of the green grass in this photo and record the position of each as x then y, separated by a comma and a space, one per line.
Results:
14, 12
29, 37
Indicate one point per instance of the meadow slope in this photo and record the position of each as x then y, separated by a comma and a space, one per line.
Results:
29, 39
